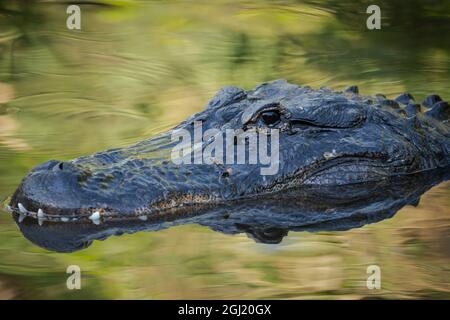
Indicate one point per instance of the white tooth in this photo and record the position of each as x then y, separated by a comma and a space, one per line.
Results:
143, 218
64, 219
22, 209
40, 216
21, 217
8, 208
95, 217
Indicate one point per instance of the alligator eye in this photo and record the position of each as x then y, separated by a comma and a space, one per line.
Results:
270, 117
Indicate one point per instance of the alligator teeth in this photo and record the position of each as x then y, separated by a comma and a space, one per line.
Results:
143, 218
40, 216
64, 219
23, 212
95, 217
22, 209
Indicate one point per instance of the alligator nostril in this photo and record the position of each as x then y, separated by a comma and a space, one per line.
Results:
59, 166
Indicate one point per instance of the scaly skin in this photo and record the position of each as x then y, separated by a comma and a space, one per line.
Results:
326, 138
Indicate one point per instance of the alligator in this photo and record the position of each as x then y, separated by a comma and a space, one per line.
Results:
326, 138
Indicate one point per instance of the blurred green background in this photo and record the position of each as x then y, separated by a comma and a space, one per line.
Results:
136, 68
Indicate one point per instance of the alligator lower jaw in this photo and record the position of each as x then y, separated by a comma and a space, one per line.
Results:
174, 206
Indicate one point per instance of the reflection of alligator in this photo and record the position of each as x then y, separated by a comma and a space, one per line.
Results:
266, 219
325, 138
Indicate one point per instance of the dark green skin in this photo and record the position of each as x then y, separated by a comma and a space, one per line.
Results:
326, 138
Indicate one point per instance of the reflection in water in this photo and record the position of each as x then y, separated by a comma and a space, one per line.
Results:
266, 219
138, 68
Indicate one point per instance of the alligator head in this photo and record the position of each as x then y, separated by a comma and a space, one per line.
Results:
323, 138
